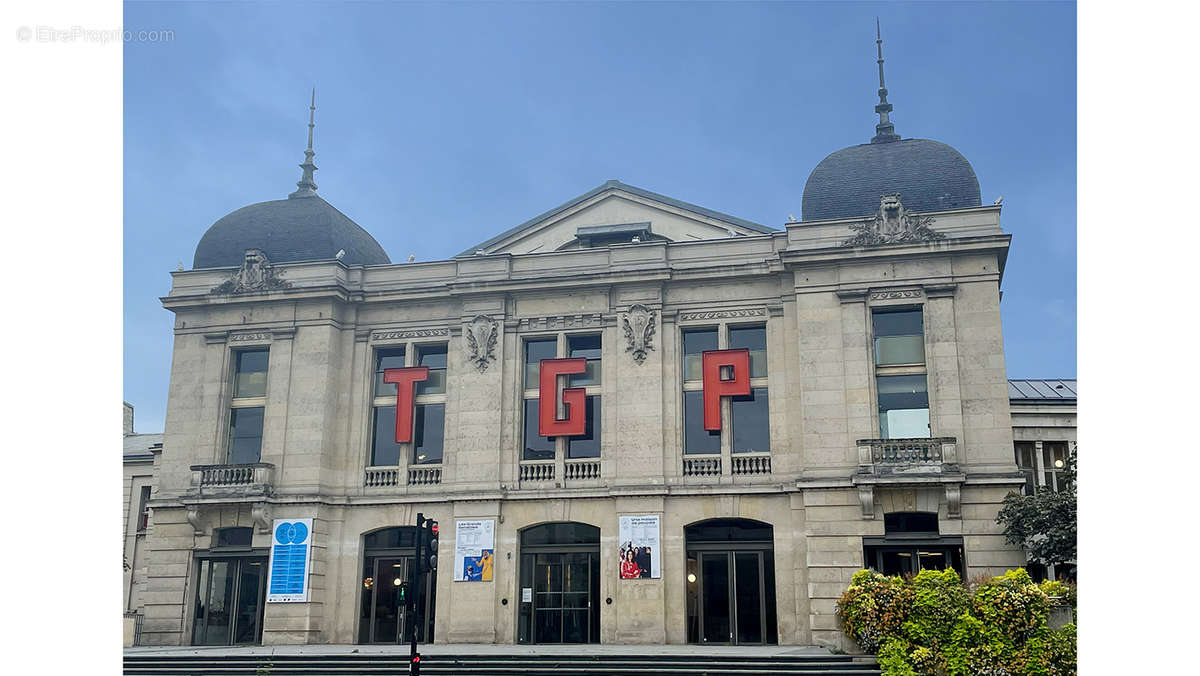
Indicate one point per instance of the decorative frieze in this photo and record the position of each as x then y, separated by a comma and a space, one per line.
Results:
247, 337
558, 322
480, 345
638, 324
896, 294
722, 314
410, 333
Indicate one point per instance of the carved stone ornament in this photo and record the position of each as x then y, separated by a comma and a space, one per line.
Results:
639, 331
481, 333
257, 274
892, 224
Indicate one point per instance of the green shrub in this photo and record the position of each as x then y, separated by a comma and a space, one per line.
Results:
873, 607
932, 625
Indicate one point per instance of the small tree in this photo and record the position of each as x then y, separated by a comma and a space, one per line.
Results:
1044, 523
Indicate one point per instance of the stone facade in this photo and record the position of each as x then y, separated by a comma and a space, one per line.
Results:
139, 459
821, 488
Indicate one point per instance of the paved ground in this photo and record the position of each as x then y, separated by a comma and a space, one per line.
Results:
484, 649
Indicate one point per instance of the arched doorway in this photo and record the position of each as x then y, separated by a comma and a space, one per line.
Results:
731, 582
560, 584
388, 556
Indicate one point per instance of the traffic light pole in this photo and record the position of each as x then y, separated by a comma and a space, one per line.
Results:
412, 608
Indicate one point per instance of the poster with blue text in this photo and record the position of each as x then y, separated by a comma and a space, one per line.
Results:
287, 571
474, 550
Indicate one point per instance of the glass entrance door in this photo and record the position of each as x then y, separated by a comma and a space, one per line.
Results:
229, 601
385, 611
565, 587
732, 590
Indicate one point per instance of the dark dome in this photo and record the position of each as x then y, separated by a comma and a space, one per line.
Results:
300, 228
929, 176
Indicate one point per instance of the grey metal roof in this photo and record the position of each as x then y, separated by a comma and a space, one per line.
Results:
930, 176
302, 228
1042, 390
139, 444
749, 225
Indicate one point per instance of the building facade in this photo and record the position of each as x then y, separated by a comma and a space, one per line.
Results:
637, 420
1044, 436
140, 453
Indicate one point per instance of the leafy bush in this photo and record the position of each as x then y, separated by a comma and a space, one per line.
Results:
931, 624
874, 607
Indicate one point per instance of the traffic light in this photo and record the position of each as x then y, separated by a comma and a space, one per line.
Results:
403, 591
414, 665
431, 539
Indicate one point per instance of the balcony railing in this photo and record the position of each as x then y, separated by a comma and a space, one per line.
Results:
751, 464
536, 471
932, 455
582, 470
376, 477
701, 465
252, 479
424, 475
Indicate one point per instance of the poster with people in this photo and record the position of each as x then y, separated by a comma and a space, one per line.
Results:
474, 550
640, 548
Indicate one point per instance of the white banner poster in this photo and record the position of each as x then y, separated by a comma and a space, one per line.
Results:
474, 550
641, 547
287, 571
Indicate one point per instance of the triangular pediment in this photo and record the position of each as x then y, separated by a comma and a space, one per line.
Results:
616, 213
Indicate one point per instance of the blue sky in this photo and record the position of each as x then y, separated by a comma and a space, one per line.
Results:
440, 125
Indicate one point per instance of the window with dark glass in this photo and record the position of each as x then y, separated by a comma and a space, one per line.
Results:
1027, 464
695, 343
747, 418
899, 337
587, 346
239, 537
429, 410
751, 423
911, 543
245, 435
903, 407
537, 447
432, 357
143, 509
696, 439
247, 406
1054, 461
588, 445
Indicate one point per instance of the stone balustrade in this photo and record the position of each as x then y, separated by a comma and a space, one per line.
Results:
375, 477
232, 481
701, 465
932, 455
751, 464
537, 470
582, 470
425, 475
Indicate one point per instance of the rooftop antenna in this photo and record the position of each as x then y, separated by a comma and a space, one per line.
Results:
305, 186
885, 131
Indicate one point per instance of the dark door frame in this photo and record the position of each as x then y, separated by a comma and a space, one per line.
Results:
427, 595
239, 559
593, 574
730, 549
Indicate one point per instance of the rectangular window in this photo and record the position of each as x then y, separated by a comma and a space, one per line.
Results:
1027, 463
535, 352
434, 358
695, 343
1054, 460
753, 338
696, 439
903, 407
587, 346
428, 431
587, 446
751, 424
387, 358
537, 447
245, 435
429, 409
143, 509
385, 452
250, 374
899, 337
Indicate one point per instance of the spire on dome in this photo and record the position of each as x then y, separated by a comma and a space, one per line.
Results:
306, 187
885, 131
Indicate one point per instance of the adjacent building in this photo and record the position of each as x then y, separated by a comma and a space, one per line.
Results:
636, 419
140, 451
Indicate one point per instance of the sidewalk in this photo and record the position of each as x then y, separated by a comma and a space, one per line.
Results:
481, 649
